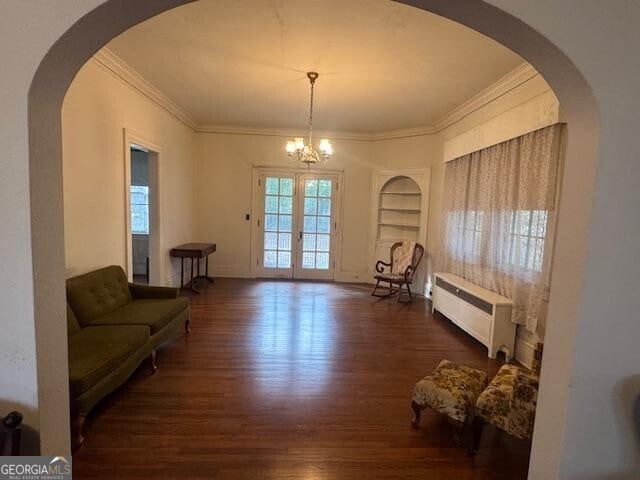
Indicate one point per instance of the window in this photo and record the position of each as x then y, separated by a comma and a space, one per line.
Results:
466, 226
519, 248
526, 247
316, 227
139, 209
278, 222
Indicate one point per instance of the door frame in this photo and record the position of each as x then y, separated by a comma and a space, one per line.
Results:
156, 266
315, 274
256, 213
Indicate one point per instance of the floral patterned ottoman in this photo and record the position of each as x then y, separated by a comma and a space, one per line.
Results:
451, 389
509, 402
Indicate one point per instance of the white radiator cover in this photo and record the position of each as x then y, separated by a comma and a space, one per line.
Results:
481, 313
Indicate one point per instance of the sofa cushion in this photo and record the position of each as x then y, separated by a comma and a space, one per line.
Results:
72, 322
96, 293
154, 313
95, 352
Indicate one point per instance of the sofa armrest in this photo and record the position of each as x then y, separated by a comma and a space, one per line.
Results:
146, 291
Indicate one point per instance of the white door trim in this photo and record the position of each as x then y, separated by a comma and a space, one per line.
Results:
156, 265
256, 212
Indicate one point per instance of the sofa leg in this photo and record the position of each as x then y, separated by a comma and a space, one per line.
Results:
152, 361
187, 325
417, 410
77, 424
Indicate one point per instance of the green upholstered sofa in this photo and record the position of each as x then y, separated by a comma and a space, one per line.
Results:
113, 326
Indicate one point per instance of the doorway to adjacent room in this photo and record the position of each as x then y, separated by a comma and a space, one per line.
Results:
142, 211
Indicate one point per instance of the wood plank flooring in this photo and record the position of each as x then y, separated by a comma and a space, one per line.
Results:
293, 380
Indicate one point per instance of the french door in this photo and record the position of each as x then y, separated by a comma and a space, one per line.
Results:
297, 224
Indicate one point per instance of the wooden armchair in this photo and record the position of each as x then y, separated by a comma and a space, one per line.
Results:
399, 271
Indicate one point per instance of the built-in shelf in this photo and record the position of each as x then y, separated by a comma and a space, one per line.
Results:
399, 210
399, 213
391, 241
400, 193
407, 225
406, 210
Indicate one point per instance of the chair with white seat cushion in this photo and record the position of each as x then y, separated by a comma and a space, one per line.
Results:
404, 260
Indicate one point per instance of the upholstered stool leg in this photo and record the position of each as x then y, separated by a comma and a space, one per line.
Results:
476, 426
458, 431
417, 410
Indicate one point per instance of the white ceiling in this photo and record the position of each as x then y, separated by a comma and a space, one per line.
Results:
383, 66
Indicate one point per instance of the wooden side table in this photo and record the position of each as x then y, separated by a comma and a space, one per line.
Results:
193, 251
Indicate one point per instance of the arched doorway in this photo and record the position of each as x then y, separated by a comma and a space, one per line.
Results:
95, 29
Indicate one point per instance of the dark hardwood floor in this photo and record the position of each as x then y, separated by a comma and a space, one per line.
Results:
287, 380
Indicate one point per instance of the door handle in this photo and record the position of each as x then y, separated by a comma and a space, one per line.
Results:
300, 237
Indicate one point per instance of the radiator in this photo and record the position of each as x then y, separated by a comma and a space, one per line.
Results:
481, 313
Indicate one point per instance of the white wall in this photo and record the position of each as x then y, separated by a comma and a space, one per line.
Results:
20, 386
96, 109
225, 164
586, 428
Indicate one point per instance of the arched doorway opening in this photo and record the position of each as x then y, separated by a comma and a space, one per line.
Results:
99, 26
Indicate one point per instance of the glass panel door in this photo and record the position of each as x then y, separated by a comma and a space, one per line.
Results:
277, 222
316, 227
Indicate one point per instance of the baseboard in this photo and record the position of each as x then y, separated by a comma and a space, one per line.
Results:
171, 281
236, 271
524, 352
352, 277
230, 271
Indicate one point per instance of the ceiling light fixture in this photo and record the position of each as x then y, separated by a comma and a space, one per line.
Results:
297, 149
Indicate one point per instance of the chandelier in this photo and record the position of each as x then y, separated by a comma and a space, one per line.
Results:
305, 153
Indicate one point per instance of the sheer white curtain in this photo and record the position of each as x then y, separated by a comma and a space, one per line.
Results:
499, 219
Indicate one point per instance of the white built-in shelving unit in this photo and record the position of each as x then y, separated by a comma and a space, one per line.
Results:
400, 200
399, 210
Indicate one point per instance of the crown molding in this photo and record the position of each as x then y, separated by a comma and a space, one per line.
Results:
515, 78
283, 132
115, 65
404, 133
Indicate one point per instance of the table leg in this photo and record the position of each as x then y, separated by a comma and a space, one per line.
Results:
206, 270
191, 286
